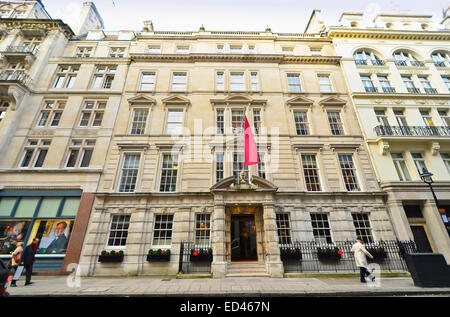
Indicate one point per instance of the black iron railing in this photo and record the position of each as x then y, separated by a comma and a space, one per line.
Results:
195, 258
417, 63
388, 89
377, 62
338, 257
431, 90
421, 131
414, 90
439, 64
371, 89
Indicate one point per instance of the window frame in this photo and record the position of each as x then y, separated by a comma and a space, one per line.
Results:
165, 219
318, 229
111, 230
86, 145
162, 169
93, 113
350, 187
105, 78
121, 173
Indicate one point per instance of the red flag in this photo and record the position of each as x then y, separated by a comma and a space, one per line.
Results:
251, 153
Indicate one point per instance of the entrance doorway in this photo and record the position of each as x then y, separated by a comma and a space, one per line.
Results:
421, 239
243, 238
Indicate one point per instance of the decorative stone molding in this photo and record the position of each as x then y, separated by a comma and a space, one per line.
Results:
239, 100
37, 26
384, 147
435, 148
123, 146
300, 102
176, 100
142, 100
332, 102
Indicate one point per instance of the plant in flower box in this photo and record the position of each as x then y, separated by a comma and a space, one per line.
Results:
290, 254
329, 254
201, 255
111, 256
158, 255
378, 253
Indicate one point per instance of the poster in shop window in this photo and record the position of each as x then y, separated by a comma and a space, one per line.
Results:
12, 232
54, 236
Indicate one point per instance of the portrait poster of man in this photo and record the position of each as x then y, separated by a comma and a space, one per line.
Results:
12, 232
54, 235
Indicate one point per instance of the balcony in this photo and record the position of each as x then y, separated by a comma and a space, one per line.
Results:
413, 90
401, 63
23, 49
389, 89
430, 90
371, 89
419, 131
417, 64
377, 62
360, 62
439, 64
19, 77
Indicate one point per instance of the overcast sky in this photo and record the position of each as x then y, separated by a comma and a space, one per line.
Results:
243, 15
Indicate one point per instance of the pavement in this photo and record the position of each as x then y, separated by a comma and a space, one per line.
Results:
44, 286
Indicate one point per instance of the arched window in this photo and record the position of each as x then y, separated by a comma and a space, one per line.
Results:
367, 57
5, 11
441, 58
405, 58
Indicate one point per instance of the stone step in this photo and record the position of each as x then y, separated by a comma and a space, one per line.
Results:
246, 269
247, 275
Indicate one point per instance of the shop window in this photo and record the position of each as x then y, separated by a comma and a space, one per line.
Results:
54, 236
11, 232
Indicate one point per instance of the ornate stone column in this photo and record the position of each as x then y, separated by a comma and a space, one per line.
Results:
273, 262
219, 264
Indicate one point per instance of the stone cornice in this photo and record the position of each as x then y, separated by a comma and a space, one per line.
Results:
249, 58
378, 34
400, 96
90, 60
37, 25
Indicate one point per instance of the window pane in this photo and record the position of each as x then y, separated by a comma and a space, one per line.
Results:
73, 155
27, 207
6, 206
49, 207
130, 171
41, 158
70, 208
86, 158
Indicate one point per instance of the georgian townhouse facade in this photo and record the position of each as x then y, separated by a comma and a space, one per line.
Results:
397, 71
173, 164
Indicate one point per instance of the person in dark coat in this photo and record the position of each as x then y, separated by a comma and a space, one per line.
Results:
28, 259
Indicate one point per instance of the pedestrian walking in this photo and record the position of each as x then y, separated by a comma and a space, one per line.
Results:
361, 261
28, 259
15, 260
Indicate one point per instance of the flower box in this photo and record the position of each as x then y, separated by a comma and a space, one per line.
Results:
158, 255
290, 254
378, 254
201, 255
327, 254
111, 257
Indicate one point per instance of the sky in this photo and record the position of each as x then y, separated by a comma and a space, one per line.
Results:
232, 15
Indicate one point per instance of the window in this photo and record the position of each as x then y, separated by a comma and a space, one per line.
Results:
321, 228
147, 82
294, 83
445, 117
368, 84
440, 59
426, 85
19, 14
51, 113
129, 173
65, 76
179, 82
237, 82
316, 51
325, 83
4, 105
139, 121
174, 124
363, 228
162, 231
80, 153
287, 50
236, 49
117, 52
262, 165
169, 172
32, 43
284, 229
239, 164
400, 167
237, 121
382, 118
5, 13
301, 122
385, 84
254, 81
427, 118
203, 229
419, 161
219, 167
35, 153
403, 58
311, 172
154, 49
348, 172
220, 84
183, 49
83, 51
92, 114
446, 82
118, 232
220, 121
446, 159
220, 48
334, 118
367, 58
257, 120
103, 77
409, 84
251, 49
401, 118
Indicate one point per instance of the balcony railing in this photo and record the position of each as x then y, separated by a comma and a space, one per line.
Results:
401, 63
16, 76
417, 64
414, 90
421, 131
439, 64
360, 62
388, 89
377, 62
431, 90
21, 49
